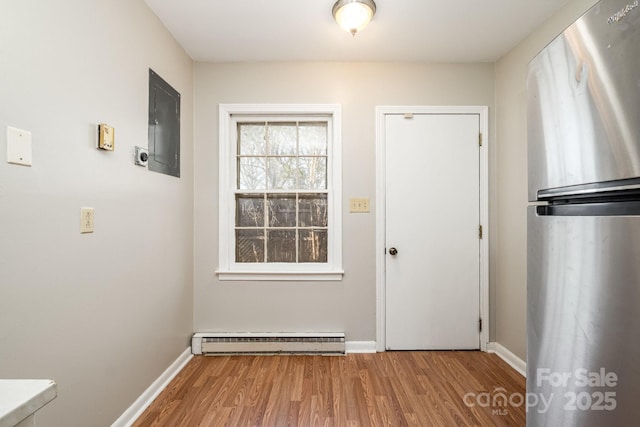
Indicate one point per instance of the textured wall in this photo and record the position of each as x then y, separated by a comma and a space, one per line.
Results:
511, 217
349, 305
103, 314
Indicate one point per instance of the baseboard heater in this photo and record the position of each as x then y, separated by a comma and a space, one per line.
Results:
215, 343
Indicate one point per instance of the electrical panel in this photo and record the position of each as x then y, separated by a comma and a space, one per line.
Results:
164, 127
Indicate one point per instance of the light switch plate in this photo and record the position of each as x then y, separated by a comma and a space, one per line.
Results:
106, 137
359, 205
86, 220
18, 146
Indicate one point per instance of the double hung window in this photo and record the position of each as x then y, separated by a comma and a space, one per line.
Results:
280, 193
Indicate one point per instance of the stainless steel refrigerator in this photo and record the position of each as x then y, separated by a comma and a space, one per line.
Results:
583, 289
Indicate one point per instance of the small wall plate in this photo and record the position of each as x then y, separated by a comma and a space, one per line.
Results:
106, 137
141, 156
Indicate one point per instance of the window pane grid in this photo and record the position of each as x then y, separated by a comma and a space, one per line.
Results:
297, 239
281, 192
273, 156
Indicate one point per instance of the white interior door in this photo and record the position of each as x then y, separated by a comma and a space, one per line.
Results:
432, 221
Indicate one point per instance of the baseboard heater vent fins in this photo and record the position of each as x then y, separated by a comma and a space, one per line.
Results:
267, 343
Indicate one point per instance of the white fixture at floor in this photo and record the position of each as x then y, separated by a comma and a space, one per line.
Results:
268, 343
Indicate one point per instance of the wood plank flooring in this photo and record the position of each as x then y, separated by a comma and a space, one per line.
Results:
383, 389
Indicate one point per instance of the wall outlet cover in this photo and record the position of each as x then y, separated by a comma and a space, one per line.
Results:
18, 146
86, 220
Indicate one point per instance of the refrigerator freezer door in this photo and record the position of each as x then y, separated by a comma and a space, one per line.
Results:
583, 320
584, 101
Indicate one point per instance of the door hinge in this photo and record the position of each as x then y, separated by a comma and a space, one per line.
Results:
480, 139
480, 324
480, 231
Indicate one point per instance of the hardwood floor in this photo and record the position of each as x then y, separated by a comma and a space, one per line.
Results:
384, 389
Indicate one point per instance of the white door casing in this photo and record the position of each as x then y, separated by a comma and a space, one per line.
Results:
421, 213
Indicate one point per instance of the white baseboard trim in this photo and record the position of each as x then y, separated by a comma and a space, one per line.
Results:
360, 347
505, 354
146, 398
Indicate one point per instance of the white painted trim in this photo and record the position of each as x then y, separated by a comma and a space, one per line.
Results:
298, 276
360, 347
268, 335
146, 398
228, 269
484, 220
381, 112
505, 354
381, 197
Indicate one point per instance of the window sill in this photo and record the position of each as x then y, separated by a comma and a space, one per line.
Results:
298, 276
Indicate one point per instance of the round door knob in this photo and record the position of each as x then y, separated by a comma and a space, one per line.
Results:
393, 251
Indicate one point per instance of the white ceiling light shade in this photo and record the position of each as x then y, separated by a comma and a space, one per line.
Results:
353, 15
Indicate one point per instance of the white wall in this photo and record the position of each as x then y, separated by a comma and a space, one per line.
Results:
348, 305
103, 314
511, 234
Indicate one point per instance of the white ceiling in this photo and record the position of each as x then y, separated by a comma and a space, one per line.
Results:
304, 30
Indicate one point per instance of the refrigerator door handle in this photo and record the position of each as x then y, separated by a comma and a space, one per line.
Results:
585, 190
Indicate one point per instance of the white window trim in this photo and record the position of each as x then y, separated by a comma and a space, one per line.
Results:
228, 269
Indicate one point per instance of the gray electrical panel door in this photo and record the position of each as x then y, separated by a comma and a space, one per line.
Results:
164, 126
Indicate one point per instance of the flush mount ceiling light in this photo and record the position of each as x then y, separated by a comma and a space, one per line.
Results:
353, 15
